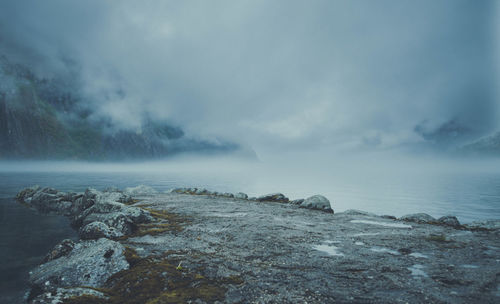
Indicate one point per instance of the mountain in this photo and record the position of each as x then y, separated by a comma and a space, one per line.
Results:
488, 146
47, 119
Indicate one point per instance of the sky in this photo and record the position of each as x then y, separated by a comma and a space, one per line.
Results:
283, 74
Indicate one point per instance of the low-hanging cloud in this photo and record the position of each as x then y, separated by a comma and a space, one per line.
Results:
269, 73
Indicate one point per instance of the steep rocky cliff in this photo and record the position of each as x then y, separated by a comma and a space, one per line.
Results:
44, 119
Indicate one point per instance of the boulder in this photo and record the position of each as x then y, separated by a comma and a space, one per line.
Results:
297, 201
85, 201
422, 218
201, 191
227, 194
241, 195
317, 202
179, 190
273, 197
90, 263
484, 225
139, 190
27, 194
61, 249
46, 201
449, 220
116, 215
62, 295
97, 230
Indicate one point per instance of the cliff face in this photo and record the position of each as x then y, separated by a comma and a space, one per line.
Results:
39, 120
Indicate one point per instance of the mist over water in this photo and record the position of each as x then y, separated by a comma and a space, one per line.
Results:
383, 183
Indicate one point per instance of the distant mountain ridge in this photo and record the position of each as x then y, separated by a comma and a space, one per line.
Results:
42, 119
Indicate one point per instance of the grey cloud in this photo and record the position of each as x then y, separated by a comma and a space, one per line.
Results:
271, 73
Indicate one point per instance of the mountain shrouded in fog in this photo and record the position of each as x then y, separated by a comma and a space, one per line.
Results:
280, 75
43, 119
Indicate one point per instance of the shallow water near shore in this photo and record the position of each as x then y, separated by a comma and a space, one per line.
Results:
469, 192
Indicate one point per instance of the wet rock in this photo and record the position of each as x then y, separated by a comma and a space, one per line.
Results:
88, 264
422, 218
60, 295
449, 220
97, 230
201, 191
47, 201
389, 217
27, 194
241, 195
116, 215
297, 201
85, 201
484, 225
61, 249
179, 190
317, 202
273, 197
111, 189
357, 212
228, 195
139, 190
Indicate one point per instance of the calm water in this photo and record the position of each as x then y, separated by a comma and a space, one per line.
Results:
25, 236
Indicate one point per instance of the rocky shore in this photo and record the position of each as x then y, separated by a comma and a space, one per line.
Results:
197, 246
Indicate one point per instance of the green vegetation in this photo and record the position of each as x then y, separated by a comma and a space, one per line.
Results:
440, 238
155, 280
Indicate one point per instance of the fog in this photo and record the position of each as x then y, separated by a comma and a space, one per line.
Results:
375, 182
281, 75
335, 97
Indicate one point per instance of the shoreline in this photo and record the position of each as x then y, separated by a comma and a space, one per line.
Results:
226, 247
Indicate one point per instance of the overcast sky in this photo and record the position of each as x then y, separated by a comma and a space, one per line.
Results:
271, 73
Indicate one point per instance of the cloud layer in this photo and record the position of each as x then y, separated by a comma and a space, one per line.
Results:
270, 73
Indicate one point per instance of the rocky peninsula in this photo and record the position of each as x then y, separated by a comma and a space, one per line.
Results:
197, 246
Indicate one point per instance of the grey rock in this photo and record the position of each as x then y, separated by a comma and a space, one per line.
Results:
90, 263
27, 193
111, 189
357, 212
116, 215
484, 225
317, 202
297, 201
241, 195
228, 195
180, 190
61, 249
97, 230
449, 220
201, 191
273, 197
46, 201
389, 217
422, 218
139, 190
60, 295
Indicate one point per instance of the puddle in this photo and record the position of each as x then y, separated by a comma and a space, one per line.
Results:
329, 249
416, 271
384, 250
384, 224
229, 214
418, 255
366, 234
469, 266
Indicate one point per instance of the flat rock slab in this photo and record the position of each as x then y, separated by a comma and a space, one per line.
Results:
270, 252
285, 254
